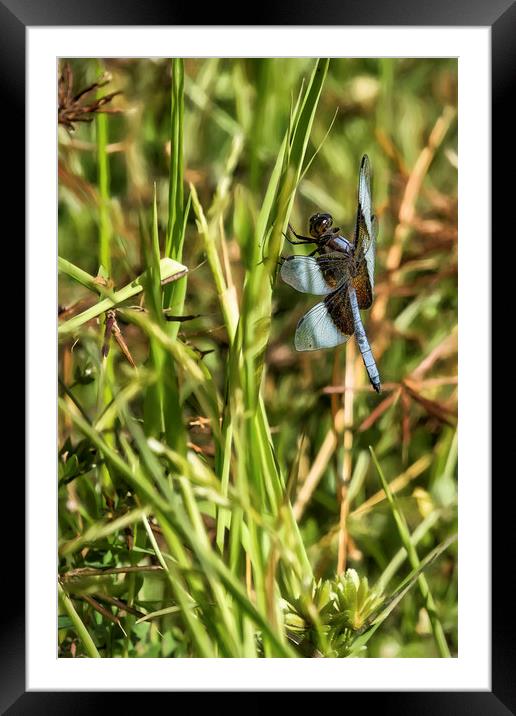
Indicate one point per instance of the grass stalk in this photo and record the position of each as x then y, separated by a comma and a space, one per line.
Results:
349, 382
81, 631
169, 270
413, 557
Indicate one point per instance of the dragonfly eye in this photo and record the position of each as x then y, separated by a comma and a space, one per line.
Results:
319, 224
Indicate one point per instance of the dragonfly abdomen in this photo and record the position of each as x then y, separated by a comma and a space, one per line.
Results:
363, 343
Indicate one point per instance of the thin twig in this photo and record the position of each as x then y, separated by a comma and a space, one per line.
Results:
318, 466
347, 455
93, 572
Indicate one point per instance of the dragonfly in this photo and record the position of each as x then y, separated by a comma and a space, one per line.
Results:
342, 270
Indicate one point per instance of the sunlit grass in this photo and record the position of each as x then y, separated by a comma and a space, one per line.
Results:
218, 459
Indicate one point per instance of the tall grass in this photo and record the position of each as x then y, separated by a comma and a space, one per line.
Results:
198, 514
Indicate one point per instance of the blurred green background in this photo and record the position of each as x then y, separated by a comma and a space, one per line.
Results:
402, 113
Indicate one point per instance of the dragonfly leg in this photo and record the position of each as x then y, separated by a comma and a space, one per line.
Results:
302, 239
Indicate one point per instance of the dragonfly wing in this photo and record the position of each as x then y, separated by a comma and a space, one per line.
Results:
327, 324
319, 276
364, 193
366, 231
370, 254
363, 282
366, 224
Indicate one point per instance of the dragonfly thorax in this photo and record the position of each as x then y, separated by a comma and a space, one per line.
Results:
340, 243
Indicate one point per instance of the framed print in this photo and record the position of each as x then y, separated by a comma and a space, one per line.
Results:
271, 406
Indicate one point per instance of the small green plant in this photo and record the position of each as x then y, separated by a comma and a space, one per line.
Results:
326, 621
337, 617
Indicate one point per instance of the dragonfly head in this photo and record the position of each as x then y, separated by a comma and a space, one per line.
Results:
319, 224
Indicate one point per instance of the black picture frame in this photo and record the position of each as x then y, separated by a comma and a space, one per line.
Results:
500, 15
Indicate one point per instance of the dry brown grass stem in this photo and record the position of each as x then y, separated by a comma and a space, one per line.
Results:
81, 146
416, 469
411, 473
319, 465
336, 403
351, 355
446, 348
407, 210
396, 485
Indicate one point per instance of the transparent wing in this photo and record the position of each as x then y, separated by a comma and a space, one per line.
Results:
364, 230
364, 192
370, 252
319, 276
366, 227
327, 324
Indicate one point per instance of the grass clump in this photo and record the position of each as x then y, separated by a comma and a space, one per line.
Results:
217, 497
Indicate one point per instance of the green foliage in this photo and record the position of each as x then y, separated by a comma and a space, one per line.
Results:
217, 496
333, 615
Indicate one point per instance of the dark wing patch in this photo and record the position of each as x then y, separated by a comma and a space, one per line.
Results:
363, 287
339, 309
335, 268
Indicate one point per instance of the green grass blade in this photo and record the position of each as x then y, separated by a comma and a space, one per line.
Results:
169, 270
419, 533
388, 605
79, 275
405, 537
173, 245
228, 307
103, 178
153, 409
82, 632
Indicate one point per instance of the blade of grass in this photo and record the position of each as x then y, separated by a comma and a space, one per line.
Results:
229, 310
82, 632
400, 556
173, 245
174, 295
169, 270
105, 228
99, 531
382, 612
406, 540
153, 412
79, 275
105, 235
